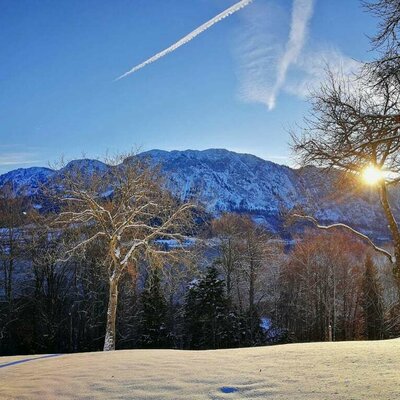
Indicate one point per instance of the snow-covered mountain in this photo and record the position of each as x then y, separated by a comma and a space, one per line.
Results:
26, 181
226, 181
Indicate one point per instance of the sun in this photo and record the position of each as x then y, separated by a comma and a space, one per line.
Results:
372, 175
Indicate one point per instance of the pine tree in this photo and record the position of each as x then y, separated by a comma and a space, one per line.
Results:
252, 333
209, 323
372, 301
154, 314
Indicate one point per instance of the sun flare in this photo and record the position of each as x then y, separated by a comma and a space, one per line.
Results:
372, 175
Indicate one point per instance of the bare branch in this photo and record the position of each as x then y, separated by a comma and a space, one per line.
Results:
348, 228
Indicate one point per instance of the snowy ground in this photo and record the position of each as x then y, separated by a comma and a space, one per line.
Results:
347, 370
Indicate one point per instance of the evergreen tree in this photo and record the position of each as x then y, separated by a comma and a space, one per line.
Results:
252, 333
372, 301
154, 314
209, 323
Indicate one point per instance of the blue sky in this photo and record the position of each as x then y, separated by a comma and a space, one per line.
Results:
59, 61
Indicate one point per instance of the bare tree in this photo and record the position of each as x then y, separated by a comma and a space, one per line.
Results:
387, 67
227, 233
129, 211
256, 252
245, 254
351, 128
321, 287
51, 283
12, 220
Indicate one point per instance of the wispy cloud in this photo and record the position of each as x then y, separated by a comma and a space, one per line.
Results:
257, 50
17, 158
269, 64
311, 70
186, 39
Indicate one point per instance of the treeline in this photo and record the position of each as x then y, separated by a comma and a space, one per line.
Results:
235, 286
53, 305
331, 286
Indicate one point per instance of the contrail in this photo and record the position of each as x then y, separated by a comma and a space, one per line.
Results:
301, 15
231, 10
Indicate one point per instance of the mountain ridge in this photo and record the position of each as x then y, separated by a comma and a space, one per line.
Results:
226, 181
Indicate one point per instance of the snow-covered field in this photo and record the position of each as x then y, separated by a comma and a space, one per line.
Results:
347, 370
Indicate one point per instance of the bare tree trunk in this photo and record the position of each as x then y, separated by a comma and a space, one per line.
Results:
109, 341
252, 279
9, 268
394, 229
